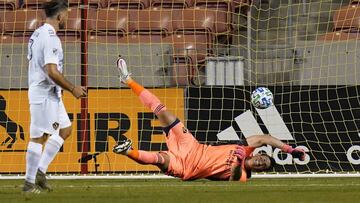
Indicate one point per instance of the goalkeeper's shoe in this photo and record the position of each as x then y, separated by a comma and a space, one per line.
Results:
30, 188
124, 74
123, 147
42, 182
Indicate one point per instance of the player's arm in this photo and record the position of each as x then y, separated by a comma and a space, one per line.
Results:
51, 49
237, 171
60, 80
261, 140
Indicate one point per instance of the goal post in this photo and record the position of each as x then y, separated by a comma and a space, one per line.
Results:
202, 59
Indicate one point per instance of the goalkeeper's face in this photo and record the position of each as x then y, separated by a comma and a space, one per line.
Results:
259, 162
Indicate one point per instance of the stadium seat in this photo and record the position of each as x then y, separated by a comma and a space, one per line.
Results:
32, 4
182, 73
125, 39
192, 48
11, 39
69, 39
226, 5
347, 18
8, 4
92, 3
73, 24
225, 8
151, 21
242, 3
35, 4
109, 21
20, 22
188, 50
229, 4
215, 4
172, 3
128, 4
205, 20
340, 36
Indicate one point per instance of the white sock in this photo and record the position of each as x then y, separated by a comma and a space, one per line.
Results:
52, 147
33, 156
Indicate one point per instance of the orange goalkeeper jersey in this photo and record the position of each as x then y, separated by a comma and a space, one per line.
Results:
191, 160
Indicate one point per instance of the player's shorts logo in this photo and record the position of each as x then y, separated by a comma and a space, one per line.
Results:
10, 126
55, 125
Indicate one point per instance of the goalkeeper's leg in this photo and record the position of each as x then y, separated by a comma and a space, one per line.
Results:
142, 157
146, 97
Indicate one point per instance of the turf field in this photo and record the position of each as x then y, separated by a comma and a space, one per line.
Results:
257, 190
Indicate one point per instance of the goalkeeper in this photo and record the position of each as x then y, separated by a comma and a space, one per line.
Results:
186, 158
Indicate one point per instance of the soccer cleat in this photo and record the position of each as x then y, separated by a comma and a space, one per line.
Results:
30, 188
42, 182
123, 71
122, 147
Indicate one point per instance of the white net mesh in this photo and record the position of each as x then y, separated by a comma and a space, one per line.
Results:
202, 59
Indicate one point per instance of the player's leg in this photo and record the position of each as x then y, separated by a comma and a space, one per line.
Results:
38, 137
178, 139
33, 156
149, 100
161, 160
53, 146
169, 121
152, 102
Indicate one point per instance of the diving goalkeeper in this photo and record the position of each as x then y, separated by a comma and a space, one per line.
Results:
186, 158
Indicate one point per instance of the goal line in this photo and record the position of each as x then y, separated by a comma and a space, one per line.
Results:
158, 176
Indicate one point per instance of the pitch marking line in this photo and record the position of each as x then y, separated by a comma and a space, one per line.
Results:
193, 185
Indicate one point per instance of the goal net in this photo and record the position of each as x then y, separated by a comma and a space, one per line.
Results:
202, 59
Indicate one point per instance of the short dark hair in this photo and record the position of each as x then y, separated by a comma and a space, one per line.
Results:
53, 7
272, 161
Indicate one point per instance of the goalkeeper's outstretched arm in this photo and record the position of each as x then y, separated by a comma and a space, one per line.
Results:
261, 140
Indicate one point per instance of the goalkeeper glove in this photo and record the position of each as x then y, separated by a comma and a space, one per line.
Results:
240, 153
296, 153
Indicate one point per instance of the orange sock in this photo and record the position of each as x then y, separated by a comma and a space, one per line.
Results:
136, 88
144, 157
133, 154
146, 97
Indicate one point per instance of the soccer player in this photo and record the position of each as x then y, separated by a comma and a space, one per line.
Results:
186, 158
46, 81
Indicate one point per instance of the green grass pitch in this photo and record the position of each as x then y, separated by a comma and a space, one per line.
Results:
337, 190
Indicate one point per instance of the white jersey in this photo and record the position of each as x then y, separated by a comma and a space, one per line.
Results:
44, 48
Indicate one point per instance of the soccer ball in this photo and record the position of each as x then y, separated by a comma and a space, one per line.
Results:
262, 98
